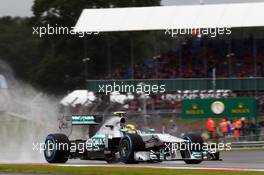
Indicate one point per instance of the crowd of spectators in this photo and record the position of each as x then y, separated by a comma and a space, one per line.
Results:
196, 58
238, 128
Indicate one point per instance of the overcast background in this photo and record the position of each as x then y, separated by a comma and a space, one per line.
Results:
23, 7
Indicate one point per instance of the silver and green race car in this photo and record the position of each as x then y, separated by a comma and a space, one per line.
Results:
118, 142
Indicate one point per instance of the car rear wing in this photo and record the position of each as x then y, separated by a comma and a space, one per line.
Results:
84, 120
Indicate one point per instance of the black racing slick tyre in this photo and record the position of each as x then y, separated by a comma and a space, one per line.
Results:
129, 144
196, 147
56, 148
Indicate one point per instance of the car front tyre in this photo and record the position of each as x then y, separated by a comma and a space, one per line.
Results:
129, 144
56, 148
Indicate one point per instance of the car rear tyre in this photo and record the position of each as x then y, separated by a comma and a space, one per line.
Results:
198, 141
56, 148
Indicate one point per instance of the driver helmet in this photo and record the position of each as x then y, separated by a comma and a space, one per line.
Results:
131, 128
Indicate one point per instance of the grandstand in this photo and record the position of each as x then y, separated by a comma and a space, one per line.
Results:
197, 57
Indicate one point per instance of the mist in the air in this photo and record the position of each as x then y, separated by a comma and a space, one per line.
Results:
26, 117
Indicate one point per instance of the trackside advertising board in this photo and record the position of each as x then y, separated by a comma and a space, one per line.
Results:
218, 108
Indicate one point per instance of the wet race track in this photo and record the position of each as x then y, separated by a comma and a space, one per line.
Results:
232, 160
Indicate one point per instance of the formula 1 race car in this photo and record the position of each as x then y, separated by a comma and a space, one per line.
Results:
117, 141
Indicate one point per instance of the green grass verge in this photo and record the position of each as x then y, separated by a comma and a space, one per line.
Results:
114, 171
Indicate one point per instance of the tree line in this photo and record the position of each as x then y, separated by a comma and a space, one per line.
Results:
53, 63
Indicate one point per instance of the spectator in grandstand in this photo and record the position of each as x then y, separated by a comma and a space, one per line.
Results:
237, 127
223, 127
133, 106
243, 127
252, 127
210, 127
230, 128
